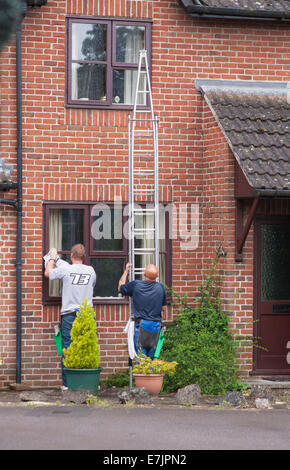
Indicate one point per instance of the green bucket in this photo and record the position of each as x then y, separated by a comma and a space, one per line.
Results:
83, 379
58, 341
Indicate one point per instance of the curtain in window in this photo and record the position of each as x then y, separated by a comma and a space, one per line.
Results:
134, 42
146, 221
55, 238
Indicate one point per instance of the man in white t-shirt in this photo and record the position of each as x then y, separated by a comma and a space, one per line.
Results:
78, 281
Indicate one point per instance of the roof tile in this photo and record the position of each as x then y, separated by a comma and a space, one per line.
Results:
257, 127
262, 5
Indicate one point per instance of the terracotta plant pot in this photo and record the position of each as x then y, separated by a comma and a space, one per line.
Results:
152, 382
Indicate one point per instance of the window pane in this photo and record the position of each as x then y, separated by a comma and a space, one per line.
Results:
66, 227
89, 41
124, 85
141, 262
129, 41
275, 262
146, 241
65, 230
108, 271
107, 228
88, 82
146, 222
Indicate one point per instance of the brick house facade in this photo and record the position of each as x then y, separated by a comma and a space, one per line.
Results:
75, 154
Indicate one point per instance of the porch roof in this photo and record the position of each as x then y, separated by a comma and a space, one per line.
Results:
243, 9
255, 119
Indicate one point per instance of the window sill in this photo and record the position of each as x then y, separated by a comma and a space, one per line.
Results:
120, 107
96, 301
110, 300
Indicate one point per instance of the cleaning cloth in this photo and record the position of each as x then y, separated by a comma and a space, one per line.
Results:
129, 329
58, 261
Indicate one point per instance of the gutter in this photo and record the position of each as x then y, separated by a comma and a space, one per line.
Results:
272, 193
197, 9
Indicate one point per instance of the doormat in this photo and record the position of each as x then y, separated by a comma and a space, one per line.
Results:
277, 379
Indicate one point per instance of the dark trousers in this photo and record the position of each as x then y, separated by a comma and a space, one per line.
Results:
66, 326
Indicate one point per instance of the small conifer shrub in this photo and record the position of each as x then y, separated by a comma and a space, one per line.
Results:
84, 350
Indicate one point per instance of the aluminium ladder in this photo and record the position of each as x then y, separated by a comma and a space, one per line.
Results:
143, 179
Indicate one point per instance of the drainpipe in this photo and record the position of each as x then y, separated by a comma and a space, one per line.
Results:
18, 205
19, 199
6, 186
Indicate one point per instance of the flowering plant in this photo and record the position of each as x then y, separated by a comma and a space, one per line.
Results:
145, 365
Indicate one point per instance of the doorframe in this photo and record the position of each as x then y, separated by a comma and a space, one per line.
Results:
259, 220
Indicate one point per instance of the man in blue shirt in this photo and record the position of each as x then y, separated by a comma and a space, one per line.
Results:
149, 303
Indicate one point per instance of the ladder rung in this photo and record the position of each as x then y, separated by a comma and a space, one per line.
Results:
142, 251
143, 91
144, 111
143, 172
145, 119
141, 154
144, 230
144, 210
139, 175
143, 135
144, 191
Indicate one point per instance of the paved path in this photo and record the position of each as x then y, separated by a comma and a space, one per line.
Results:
50, 427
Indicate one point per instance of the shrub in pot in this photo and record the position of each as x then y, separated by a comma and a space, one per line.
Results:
82, 357
149, 373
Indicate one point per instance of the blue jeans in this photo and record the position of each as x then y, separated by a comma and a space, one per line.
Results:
66, 326
148, 352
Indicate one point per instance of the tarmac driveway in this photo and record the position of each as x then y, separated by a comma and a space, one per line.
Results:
149, 428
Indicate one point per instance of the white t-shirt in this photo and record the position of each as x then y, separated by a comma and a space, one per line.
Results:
78, 282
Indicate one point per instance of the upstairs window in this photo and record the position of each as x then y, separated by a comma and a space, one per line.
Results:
102, 61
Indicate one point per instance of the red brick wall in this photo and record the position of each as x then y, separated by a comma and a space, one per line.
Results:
218, 230
79, 154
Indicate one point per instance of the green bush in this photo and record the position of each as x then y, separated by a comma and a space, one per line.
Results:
200, 341
118, 379
84, 350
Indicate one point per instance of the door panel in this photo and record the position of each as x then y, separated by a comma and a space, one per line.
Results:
272, 295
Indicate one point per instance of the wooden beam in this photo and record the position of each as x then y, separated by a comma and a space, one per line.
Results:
242, 232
